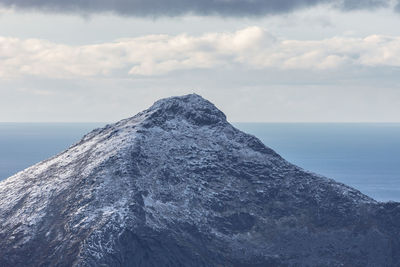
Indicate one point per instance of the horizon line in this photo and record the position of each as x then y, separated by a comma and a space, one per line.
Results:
277, 122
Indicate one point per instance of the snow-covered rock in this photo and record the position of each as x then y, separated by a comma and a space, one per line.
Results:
177, 185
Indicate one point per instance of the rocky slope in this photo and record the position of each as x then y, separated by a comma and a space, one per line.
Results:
177, 185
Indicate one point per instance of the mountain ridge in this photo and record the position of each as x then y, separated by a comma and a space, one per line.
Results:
177, 185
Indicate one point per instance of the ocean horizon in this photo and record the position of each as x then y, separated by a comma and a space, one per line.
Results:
365, 156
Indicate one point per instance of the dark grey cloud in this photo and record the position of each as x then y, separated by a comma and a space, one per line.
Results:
180, 7
361, 4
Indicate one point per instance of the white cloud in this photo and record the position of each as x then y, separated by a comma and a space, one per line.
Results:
252, 47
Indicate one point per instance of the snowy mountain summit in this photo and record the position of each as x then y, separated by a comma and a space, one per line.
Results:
177, 185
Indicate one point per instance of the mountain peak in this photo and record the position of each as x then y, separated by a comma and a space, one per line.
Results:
177, 185
191, 107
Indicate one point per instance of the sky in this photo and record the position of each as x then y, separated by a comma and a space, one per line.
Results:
257, 60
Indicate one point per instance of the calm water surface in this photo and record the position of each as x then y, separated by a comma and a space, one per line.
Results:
24, 144
365, 156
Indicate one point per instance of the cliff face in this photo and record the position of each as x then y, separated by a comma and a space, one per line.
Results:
177, 185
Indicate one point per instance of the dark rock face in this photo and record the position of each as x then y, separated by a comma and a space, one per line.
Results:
177, 185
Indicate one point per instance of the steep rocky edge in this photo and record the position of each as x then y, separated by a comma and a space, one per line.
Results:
177, 185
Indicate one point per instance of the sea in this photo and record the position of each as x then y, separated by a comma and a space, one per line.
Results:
365, 156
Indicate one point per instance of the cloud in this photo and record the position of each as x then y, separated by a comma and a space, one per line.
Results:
249, 48
180, 7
